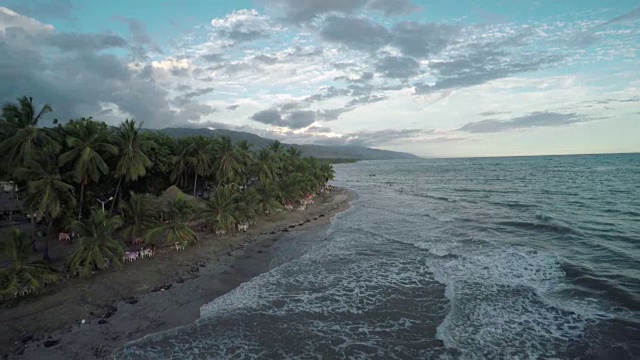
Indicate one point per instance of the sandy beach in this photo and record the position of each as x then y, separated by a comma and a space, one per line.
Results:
149, 295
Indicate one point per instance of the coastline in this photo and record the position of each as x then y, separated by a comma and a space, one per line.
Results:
152, 295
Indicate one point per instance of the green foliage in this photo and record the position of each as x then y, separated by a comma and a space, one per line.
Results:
221, 212
96, 244
21, 277
139, 214
175, 228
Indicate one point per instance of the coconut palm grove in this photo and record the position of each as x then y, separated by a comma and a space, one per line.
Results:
104, 188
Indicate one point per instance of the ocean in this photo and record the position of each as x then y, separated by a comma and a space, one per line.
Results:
520, 258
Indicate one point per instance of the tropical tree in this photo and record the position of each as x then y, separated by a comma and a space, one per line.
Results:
180, 162
47, 191
21, 136
97, 249
221, 210
227, 162
200, 159
88, 145
243, 149
22, 277
139, 214
176, 227
249, 205
269, 198
132, 159
265, 166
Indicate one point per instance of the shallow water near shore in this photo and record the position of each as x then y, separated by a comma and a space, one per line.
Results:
450, 258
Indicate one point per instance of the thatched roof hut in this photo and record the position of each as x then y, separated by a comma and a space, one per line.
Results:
171, 194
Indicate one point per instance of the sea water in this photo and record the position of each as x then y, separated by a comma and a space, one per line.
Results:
531, 257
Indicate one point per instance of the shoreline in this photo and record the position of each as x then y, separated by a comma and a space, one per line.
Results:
142, 298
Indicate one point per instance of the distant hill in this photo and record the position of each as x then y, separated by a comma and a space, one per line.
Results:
319, 151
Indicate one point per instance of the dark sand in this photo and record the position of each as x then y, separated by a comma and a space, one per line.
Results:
149, 295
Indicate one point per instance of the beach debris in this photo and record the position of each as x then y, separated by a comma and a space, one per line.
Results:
162, 288
131, 300
51, 343
285, 230
179, 246
83, 321
220, 232
243, 226
102, 321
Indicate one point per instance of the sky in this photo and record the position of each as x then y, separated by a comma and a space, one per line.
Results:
430, 77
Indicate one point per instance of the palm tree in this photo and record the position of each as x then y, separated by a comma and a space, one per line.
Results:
249, 205
227, 163
221, 211
139, 214
47, 192
88, 146
97, 248
176, 225
21, 135
265, 166
21, 277
327, 172
200, 159
24, 136
243, 148
181, 162
269, 198
132, 161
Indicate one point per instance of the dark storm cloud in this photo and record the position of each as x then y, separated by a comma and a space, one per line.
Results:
80, 83
355, 33
423, 39
141, 42
269, 117
536, 119
400, 67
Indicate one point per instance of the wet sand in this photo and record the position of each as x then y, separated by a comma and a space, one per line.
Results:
149, 295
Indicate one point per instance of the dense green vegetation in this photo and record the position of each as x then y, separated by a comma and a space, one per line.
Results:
63, 173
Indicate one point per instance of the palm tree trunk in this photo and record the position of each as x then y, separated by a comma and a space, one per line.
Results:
195, 184
45, 254
115, 196
33, 234
13, 196
81, 199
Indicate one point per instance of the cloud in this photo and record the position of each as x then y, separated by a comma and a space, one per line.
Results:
400, 67
481, 67
394, 7
493, 113
355, 33
295, 120
233, 107
51, 9
535, 119
299, 11
84, 42
423, 39
631, 15
242, 26
10, 19
266, 59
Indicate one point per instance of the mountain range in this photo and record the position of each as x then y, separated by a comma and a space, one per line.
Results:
319, 151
